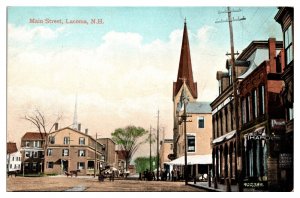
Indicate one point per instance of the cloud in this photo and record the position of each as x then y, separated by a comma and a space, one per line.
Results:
122, 81
24, 34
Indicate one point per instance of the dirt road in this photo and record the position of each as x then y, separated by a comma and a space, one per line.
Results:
91, 184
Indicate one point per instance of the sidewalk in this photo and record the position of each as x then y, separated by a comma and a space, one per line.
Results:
221, 187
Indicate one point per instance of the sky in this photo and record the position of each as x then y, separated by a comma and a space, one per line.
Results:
123, 70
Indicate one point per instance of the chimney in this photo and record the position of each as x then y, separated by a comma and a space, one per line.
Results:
79, 127
55, 126
86, 131
272, 54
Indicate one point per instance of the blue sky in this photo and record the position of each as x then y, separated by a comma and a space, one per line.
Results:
150, 22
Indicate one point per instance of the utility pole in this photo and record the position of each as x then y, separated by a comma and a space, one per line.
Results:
236, 99
157, 149
95, 164
184, 116
150, 150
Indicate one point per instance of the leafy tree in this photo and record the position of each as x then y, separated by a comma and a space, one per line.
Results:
143, 163
128, 138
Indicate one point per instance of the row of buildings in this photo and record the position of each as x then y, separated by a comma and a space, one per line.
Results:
253, 151
64, 150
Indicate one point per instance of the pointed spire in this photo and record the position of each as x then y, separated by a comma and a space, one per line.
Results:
75, 122
185, 67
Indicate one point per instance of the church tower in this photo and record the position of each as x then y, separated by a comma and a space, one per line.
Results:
184, 79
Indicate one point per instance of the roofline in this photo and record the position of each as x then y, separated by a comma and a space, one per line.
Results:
256, 44
74, 131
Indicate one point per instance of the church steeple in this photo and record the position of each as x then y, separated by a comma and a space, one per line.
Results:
75, 121
185, 68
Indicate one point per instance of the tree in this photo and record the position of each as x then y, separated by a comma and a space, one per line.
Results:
142, 163
38, 119
128, 138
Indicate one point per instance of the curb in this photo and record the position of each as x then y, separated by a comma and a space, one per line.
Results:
204, 187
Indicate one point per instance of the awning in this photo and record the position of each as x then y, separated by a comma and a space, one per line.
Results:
222, 138
192, 159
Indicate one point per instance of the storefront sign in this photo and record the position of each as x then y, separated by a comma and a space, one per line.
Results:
254, 185
285, 160
278, 124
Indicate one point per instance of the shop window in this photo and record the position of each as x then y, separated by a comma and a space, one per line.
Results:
80, 165
50, 164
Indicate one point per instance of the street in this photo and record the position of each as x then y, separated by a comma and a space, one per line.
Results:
91, 184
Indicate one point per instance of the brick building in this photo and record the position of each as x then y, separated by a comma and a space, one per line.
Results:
285, 17
109, 151
258, 70
71, 150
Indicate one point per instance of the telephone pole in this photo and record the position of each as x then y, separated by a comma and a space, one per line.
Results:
236, 102
150, 150
157, 149
95, 164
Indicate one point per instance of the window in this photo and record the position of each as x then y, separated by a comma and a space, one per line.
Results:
230, 76
66, 140
254, 104
201, 122
36, 144
291, 114
33, 166
261, 100
52, 140
191, 143
27, 144
82, 141
81, 153
27, 154
288, 44
244, 115
13, 159
50, 164
49, 152
65, 152
80, 165
10, 166
248, 106
35, 154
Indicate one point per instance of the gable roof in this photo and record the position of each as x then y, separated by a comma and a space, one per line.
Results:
197, 107
11, 147
34, 136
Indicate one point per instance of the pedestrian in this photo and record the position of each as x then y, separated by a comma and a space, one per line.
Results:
113, 175
172, 174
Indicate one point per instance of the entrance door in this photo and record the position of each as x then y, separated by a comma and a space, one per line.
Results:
65, 165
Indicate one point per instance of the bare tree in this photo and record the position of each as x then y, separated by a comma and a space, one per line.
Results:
38, 119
